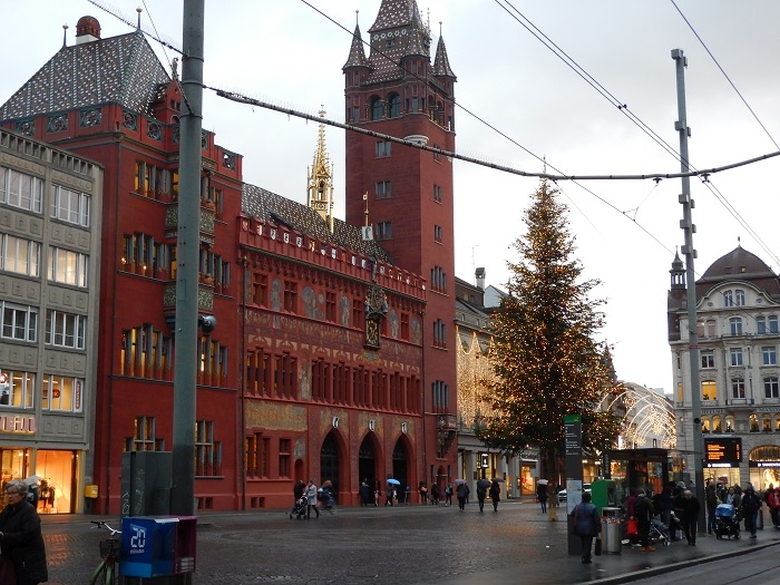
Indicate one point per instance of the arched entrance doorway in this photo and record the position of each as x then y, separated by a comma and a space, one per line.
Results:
329, 461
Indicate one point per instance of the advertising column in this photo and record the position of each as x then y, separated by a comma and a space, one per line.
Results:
572, 425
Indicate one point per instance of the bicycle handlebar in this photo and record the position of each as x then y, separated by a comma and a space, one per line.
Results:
104, 524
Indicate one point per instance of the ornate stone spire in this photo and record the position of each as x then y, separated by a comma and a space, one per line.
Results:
320, 191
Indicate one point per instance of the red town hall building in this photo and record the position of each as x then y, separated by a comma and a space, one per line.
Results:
333, 357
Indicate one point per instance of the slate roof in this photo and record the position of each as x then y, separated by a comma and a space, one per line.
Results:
122, 70
357, 53
739, 264
266, 206
399, 21
441, 63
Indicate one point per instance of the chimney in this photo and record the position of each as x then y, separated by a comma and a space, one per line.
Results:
87, 30
480, 274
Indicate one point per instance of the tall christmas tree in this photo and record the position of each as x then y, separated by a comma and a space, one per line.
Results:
545, 358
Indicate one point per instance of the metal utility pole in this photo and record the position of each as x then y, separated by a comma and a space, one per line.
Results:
688, 251
187, 256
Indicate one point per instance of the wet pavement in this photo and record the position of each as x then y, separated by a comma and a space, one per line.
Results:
402, 545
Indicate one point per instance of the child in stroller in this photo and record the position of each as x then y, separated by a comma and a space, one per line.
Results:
726, 521
299, 509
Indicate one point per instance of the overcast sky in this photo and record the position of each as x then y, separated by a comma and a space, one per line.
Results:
627, 232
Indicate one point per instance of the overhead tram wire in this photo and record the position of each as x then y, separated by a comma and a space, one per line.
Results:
713, 189
590, 80
587, 77
731, 83
503, 168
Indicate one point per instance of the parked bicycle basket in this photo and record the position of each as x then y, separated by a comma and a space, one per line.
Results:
108, 547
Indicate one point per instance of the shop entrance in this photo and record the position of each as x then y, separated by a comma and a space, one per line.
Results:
57, 483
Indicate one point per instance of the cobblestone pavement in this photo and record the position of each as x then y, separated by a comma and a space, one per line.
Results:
402, 545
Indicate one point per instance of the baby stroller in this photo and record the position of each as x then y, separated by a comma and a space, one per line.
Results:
299, 509
726, 521
658, 533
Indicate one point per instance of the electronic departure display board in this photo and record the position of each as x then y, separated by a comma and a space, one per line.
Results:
723, 452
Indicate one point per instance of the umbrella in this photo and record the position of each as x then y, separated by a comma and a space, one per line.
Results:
539, 481
459, 481
483, 483
32, 480
393, 482
501, 480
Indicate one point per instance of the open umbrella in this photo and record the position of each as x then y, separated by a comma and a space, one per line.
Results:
393, 481
501, 480
539, 481
483, 483
459, 481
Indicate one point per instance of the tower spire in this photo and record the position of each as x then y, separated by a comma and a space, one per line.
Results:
320, 190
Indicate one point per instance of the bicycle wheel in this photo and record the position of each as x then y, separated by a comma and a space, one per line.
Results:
110, 574
98, 576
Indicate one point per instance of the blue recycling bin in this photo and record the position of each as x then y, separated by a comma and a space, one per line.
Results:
158, 546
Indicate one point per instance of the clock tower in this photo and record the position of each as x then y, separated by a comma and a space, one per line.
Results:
408, 191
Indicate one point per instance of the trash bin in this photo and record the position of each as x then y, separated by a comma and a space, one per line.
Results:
158, 546
611, 530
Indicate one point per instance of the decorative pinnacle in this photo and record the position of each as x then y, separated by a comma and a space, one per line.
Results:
139, 10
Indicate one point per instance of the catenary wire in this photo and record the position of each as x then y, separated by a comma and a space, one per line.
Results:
731, 83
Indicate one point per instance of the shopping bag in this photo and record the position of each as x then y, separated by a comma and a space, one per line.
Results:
631, 527
7, 570
597, 548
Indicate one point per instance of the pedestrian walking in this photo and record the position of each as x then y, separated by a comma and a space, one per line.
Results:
423, 489
298, 490
643, 508
541, 495
689, 509
463, 494
482, 488
21, 540
773, 501
495, 494
711, 500
435, 494
751, 504
365, 493
587, 524
311, 499
448, 495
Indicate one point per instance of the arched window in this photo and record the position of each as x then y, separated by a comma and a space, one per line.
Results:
753, 423
766, 423
377, 108
716, 426
730, 426
395, 105
705, 424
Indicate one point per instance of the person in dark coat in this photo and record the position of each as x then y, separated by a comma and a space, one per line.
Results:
587, 524
751, 504
495, 494
20, 536
463, 494
541, 495
689, 515
644, 510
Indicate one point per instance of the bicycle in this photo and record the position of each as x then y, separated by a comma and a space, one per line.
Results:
107, 572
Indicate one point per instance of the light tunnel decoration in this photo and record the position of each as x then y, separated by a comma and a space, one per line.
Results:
647, 415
